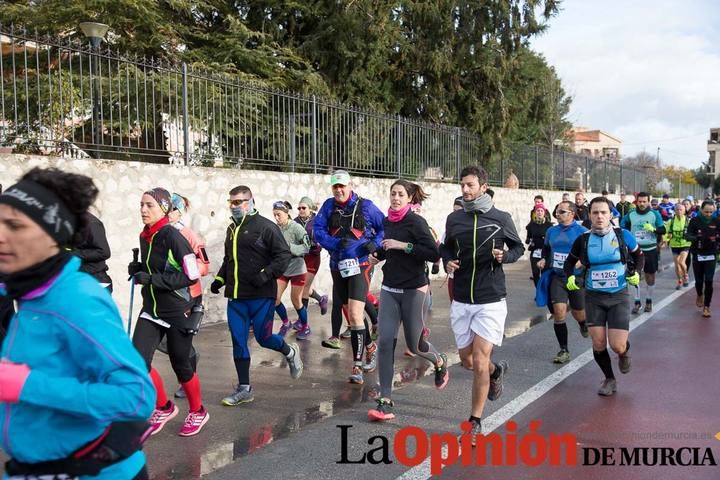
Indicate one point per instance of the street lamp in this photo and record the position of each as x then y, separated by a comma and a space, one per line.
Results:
95, 32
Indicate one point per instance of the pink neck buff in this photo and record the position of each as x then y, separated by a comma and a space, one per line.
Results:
397, 215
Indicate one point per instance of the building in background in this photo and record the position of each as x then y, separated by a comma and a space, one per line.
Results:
713, 149
595, 143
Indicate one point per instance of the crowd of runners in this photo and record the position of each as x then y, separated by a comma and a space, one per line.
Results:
98, 387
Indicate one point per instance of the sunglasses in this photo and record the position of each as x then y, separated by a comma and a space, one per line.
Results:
239, 202
302, 208
562, 212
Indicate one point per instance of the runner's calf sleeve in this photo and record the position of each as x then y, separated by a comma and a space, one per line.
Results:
357, 339
302, 315
603, 360
161, 400
282, 312
637, 293
306, 302
336, 319
242, 367
315, 295
192, 390
561, 332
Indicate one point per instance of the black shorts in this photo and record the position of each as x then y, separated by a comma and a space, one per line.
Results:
560, 294
608, 310
649, 261
351, 288
679, 250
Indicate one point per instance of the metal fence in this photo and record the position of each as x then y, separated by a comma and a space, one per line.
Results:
70, 99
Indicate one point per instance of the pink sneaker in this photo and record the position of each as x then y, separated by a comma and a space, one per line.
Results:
161, 416
194, 422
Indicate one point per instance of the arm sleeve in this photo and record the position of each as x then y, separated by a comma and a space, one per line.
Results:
96, 248
280, 252
175, 278
320, 228
222, 272
114, 382
512, 241
302, 246
425, 248
659, 224
446, 247
573, 256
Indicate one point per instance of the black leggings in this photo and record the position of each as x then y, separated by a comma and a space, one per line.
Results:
704, 273
147, 337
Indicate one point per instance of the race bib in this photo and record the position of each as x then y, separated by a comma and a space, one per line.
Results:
604, 279
645, 237
537, 253
559, 259
705, 258
349, 267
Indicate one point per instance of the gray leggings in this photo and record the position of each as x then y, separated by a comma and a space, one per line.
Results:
407, 308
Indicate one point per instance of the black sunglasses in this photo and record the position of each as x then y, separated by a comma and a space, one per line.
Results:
561, 212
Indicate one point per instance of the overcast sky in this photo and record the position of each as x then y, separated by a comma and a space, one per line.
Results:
645, 71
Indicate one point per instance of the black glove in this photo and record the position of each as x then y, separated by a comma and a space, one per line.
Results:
143, 278
134, 267
216, 285
435, 269
370, 247
260, 279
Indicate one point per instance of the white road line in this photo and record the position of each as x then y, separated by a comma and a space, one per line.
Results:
515, 406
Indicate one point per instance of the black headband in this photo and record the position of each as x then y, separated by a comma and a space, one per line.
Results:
44, 207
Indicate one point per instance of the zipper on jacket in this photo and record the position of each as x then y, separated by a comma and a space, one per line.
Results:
147, 264
472, 279
235, 258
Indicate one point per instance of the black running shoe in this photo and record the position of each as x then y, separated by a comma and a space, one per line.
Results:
496, 384
442, 375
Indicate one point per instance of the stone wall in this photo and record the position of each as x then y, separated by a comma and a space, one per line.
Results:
122, 183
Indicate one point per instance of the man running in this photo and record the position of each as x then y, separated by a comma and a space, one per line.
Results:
558, 241
474, 250
645, 224
609, 255
350, 228
256, 254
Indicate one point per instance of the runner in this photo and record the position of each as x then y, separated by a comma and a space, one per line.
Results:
535, 238
255, 255
557, 246
167, 269
299, 243
306, 218
703, 233
609, 255
677, 232
350, 228
180, 206
645, 224
94, 250
474, 250
623, 206
406, 249
74, 390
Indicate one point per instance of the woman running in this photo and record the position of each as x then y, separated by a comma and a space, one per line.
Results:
677, 232
297, 238
167, 269
180, 206
75, 394
407, 246
535, 239
306, 218
703, 233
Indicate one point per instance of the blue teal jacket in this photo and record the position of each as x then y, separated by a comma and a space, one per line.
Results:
84, 373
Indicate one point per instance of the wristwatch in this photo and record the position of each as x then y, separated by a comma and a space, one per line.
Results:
408, 247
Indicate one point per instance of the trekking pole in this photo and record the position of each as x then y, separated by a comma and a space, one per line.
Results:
136, 252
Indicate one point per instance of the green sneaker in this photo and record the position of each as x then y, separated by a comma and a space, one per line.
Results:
240, 396
332, 342
563, 356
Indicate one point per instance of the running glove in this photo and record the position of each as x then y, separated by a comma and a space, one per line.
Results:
134, 267
370, 247
633, 279
435, 269
649, 227
12, 380
143, 278
571, 285
216, 285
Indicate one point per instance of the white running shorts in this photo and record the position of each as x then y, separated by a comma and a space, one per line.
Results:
486, 320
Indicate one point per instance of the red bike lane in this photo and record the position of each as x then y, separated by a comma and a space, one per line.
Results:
668, 400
